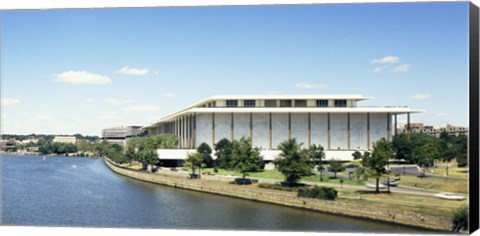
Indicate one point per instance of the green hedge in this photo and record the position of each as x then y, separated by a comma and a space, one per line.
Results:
318, 192
275, 187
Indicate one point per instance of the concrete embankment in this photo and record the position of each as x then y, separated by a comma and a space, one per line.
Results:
287, 199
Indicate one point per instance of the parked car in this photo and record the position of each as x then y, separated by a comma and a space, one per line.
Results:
351, 166
390, 182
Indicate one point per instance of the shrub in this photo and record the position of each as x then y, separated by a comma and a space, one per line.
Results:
275, 187
460, 219
318, 192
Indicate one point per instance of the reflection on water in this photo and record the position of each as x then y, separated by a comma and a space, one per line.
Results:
64, 191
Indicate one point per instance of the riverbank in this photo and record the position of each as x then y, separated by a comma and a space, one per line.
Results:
290, 199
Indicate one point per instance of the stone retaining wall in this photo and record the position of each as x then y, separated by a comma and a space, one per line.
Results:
288, 199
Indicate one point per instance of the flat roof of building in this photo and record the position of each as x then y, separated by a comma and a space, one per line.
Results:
196, 108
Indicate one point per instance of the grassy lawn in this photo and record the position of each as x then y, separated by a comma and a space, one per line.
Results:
426, 205
276, 175
457, 172
438, 184
132, 166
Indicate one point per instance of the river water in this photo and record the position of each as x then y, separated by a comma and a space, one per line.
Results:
74, 191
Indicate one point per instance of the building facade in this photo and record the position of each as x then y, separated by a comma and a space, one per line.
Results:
120, 135
65, 139
333, 121
434, 130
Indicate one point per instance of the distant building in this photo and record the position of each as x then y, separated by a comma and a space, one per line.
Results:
65, 139
434, 130
7, 144
31, 140
120, 135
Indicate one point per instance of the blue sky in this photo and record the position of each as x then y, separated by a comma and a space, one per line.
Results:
78, 71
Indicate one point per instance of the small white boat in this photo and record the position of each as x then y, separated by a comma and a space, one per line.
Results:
44, 158
449, 196
74, 166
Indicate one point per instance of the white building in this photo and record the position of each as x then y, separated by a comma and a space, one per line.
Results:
120, 135
65, 139
333, 121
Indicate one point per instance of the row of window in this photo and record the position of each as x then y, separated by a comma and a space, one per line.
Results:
287, 103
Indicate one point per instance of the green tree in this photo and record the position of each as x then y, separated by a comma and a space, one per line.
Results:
166, 141
461, 144
292, 163
357, 155
206, 152
376, 162
143, 150
115, 153
223, 151
460, 219
335, 166
245, 159
425, 156
316, 153
403, 148
193, 162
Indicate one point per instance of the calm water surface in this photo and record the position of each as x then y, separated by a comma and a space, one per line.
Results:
52, 192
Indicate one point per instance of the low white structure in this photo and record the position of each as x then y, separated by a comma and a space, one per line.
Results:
65, 139
333, 121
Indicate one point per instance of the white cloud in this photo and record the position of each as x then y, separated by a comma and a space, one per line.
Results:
379, 69
41, 118
108, 115
310, 86
402, 68
140, 108
89, 100
81, 77
133, 71
115, 101
9, 102
275, 92
386, 60
170, 95
420, 97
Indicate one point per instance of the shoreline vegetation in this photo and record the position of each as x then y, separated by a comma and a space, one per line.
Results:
346, 204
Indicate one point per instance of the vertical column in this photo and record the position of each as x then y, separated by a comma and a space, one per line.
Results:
348, 130
388, 126
251, 129
195, 130
289, 126
178, 132
181, 131
270, 130
368, 131
191, 130
328, 130
213, 129
309, 128
231, 127
395, 128
408, 126
188, 130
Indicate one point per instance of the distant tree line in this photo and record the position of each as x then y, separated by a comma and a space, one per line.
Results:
423, 149
47, 137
